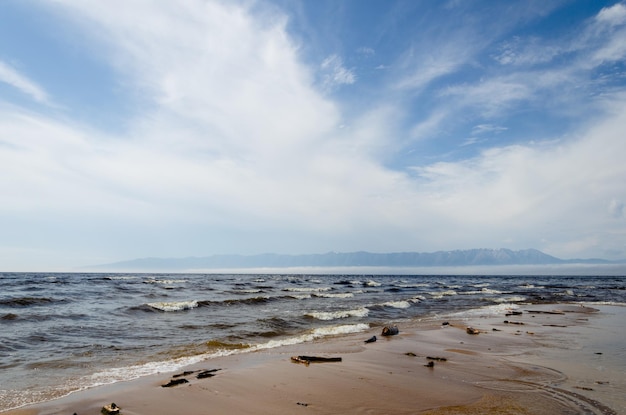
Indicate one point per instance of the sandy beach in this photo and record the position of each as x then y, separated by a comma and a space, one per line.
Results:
551, 359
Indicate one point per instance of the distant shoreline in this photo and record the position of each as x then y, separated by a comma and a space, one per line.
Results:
492, 270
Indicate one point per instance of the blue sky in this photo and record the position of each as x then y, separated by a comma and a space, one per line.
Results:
191, 128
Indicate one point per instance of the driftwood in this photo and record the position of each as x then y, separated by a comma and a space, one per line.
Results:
175, 382
544, 312
390, 330
440, 359
185, 373
112, 409
206, 373
513, 322
314, 359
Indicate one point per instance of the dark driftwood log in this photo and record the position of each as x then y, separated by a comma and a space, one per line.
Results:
371, 339
206, 373
315, 359
175, 382
390, 330
185, 373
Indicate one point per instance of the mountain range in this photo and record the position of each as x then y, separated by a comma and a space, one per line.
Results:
470, 257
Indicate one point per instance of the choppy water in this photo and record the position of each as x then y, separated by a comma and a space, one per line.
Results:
64, 332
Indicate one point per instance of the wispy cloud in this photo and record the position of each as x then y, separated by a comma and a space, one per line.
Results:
334, 74
11, 76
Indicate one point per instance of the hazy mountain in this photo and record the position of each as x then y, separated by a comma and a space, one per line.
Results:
471, 257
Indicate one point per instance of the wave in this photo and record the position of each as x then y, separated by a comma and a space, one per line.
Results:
397, 304
28, 301
317, 333
417, 285
219, 345
509, 299
486, 311
164, 281
174, 305
243, 301
300, 296
441, 294
334, 315
247, 291
490, 291
338, 295
307, 289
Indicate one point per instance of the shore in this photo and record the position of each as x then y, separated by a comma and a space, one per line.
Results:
551, 359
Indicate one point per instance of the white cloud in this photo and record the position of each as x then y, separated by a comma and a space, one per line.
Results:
234, 135
487, 129
517, 191
11, 76
492, 96
614, 15
334, 74
366, 51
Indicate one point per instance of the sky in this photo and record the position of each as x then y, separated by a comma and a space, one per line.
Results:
193, 128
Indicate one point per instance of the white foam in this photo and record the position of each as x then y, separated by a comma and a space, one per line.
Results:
307, 289
509, 299
397, 304
174, 306
333, 315
339, 295
317, 333
486, 311
442, 294
490, 291
165, 282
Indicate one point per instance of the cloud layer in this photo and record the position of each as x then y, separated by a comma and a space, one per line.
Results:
240, 139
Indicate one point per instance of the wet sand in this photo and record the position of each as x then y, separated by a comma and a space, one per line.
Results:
563, 359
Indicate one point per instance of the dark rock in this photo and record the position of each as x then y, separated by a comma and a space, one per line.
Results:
472, 330
371, 339
111, 409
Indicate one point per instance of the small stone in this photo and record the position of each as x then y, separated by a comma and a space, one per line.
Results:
472, 330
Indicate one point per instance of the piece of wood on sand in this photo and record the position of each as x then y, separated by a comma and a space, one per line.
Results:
390, 330
314, 359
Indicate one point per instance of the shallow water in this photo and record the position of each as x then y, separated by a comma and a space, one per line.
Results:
65, 332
